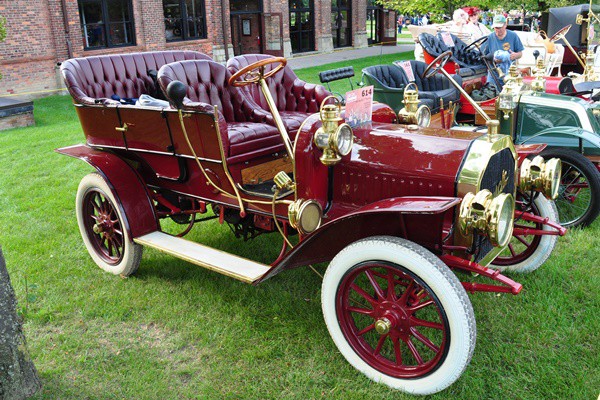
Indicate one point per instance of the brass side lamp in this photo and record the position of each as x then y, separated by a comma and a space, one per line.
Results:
333, 138
412, 114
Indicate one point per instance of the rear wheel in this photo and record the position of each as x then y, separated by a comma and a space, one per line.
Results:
526, 253
398, 314
101, 225
578, 200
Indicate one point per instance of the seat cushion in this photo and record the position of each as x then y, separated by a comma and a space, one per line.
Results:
292, 121
248, 137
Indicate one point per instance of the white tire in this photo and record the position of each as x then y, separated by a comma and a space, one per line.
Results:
415, 272
519, 258
100, 221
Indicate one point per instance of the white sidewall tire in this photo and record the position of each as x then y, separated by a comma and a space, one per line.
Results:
547, 209
132, 252
443, 283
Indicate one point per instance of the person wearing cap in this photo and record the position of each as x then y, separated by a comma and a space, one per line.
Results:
476, 28
505, 45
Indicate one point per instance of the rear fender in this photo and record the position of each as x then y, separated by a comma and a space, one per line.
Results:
419, 219
127, 186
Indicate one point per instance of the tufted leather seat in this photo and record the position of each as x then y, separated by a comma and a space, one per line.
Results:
246, 129
294, 98
93, 80
390, 81
468, 65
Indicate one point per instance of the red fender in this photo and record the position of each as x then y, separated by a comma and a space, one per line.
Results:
393, 217
127, 186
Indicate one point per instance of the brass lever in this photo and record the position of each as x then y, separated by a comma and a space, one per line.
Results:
123, 129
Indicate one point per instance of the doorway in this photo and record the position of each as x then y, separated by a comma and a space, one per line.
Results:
374, 22
341, 22
302, 26
246, 26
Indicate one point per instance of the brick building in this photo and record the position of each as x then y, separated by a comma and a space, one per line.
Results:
43, 33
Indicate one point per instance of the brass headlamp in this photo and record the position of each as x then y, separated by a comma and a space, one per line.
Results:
305, 215
541, 176
489, 215
412, 114
333, 138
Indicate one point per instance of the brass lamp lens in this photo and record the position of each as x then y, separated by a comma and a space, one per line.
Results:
309, 216
344, 138
500, 219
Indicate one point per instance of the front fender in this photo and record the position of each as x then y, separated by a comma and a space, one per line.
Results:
127, 186
419, 219
579, 133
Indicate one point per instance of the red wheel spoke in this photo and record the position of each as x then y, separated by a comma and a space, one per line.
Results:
366, 329
420, 306
391, 295
427, 324
414, 351
512, 249
363, 311
375, 285
522, 240
420, 337
380, 344
397, 351
364, 294
404, 299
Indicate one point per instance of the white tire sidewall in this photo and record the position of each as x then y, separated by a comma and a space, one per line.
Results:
460, 350
131, 252
547, 209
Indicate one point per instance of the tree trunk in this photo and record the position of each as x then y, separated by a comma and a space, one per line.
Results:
18, 376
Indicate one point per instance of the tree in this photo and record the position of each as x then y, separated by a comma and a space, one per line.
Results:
448, 6
18, 376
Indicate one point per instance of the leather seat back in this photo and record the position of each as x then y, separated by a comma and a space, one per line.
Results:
208, 82
387, 75
93, 80
289, 92
432, 44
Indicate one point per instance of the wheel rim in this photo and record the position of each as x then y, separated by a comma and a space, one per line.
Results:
575, 197
103, 227
521, 247
392, 320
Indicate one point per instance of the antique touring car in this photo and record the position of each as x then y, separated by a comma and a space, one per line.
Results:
393, 208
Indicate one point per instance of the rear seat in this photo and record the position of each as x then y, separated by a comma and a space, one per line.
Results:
246, 129
94, 80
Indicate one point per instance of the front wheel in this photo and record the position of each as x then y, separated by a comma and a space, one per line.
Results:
578, 200
398, 314
525, 252
101, 223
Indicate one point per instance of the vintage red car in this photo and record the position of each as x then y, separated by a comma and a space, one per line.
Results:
393, 208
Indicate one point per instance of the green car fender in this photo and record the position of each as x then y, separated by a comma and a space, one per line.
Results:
553, 136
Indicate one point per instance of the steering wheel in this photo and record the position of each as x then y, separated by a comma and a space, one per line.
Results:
476, 43
436, 64
251, 75
561, 32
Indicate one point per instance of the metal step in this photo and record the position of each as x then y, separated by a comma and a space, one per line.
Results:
224, 263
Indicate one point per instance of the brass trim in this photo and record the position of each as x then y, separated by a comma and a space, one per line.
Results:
278, 121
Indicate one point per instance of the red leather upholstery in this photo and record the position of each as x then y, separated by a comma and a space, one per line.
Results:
294, 97
244, 126
92, 80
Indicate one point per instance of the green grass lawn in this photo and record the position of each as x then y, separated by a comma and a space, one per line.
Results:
177, 331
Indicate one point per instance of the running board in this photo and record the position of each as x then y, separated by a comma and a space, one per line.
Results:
224, 263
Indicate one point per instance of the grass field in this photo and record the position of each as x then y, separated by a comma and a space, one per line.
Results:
176, 331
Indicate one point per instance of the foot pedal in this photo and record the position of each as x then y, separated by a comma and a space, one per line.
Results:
224, 263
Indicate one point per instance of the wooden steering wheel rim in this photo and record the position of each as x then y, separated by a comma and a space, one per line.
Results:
561, 32
233, 80
442, 59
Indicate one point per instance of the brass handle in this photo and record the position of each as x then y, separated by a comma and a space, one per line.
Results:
123, 129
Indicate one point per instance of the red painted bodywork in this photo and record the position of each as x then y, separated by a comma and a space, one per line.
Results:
390, 184
127, 185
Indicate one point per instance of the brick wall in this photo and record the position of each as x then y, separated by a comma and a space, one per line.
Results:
39, 37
